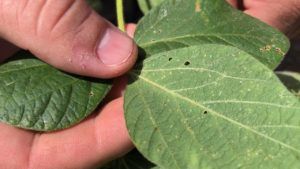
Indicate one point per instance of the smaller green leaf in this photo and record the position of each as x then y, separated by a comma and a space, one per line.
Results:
291, 80
177, 24
36, 96
147, 5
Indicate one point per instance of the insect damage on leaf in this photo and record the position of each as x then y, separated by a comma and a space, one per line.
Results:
269, 48
216, 24
198, 6
187, 63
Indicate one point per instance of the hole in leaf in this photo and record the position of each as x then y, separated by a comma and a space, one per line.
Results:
170, 59
205, 112
91, 93
187, 63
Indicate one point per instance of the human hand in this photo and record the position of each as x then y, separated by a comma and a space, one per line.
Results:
281, 14
71, 37
91, 143
95, 141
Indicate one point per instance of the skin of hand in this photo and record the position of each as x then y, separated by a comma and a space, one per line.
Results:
69, 35
103, 136
281, 14
92, 143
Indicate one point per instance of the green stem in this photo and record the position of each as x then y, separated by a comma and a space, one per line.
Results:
120, 15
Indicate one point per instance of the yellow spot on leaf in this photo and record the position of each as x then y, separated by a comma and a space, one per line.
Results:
197, 6
91, 93
266, 48
279, 51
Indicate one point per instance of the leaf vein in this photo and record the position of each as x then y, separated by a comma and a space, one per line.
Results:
197, 104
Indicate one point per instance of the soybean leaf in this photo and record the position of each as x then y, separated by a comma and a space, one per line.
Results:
180, 23
147, 5
36, 96
291, 80
133, 160
212, 106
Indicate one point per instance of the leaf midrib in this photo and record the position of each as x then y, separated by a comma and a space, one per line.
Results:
216, 113
173, 39
25, 68
161, 135
50, 91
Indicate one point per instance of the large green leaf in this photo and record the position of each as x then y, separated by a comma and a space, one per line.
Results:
181, 23
212, 106
34, 95
147, 5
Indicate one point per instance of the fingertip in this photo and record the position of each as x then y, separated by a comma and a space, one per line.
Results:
118, 53
130, 29
114, 54
112, 71
115, 47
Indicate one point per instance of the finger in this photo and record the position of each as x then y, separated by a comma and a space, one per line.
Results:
121, 82
94, 141
265, 12
6, 50
14, 144
130, 29
69, 35
281, 14
117, 90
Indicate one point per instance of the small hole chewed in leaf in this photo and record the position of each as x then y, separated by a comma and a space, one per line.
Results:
170, 59
197, 6
205, 112
91, 93
187, 63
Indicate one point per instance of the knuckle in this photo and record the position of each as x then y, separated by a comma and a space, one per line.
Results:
70, 16
38, 17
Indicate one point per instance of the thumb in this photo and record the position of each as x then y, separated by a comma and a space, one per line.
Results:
69, 35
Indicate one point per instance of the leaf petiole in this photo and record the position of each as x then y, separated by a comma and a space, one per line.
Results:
120, 15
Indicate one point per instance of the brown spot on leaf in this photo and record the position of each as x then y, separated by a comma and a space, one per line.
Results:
266, 48
197, 6
279, 51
